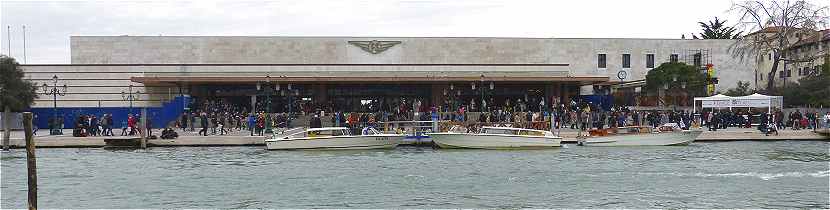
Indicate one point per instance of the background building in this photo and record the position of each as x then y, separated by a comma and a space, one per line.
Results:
355, 73
805, 56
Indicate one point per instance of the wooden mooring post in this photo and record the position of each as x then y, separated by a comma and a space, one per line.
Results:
31, 162
144, 130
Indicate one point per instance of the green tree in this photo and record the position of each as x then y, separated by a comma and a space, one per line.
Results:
676, 77
664, 76
812, 90
16, 94
716, 29
741, 90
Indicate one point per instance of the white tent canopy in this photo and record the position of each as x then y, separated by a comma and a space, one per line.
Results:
713, 98
754, 100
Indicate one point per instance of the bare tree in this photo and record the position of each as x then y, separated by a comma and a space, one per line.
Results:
778, 25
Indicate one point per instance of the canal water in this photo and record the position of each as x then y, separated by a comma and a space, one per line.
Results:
782, 174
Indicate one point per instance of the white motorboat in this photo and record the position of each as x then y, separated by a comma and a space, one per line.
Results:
496, 138
332, 138
641, 136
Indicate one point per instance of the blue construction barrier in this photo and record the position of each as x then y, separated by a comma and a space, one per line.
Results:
603, 101
159, 116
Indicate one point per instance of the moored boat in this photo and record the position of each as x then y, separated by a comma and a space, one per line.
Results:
496, 138
641, 136
332, 138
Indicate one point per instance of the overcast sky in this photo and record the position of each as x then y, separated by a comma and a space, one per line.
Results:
49, 24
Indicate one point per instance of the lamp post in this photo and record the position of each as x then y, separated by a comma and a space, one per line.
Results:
290, 103
54, 91
452, 97
683, 87
482, 93
492, 86
130, 96
267, 92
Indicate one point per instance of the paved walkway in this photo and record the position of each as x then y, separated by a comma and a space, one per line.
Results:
243, 138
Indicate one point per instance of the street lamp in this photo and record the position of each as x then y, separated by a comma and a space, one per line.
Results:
482, 94
290, 104
267, 92
130, 96
54, 91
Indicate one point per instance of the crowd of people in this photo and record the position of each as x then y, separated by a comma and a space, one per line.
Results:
92, 125
216, 117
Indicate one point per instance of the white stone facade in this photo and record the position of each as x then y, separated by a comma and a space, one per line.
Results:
104, 58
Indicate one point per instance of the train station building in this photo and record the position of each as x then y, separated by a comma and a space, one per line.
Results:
172, 74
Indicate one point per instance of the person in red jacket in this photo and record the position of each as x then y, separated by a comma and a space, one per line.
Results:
131, 124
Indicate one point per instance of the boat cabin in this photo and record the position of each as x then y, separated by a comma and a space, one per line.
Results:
319, 132
514, 131
325, 132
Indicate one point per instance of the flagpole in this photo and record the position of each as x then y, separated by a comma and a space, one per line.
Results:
24, 45
9, 32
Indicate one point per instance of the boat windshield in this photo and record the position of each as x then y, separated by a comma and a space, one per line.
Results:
333, 132
318, 133
369, 131
523, 132
531, 133
499, 131
458, 129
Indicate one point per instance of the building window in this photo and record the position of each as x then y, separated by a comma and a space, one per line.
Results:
762, 76
770, 56
781, 74
601, 61
789, 72
649, 60
673, 58
799, 71
626, 60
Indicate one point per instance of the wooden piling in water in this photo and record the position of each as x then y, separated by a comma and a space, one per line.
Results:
144, 130
31, 162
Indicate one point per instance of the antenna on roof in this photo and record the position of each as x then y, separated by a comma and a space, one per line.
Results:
24, 44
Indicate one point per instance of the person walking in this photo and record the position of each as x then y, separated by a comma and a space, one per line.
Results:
315, 122
222, 122
251, 122
260, 124
131, 125
827, 120
184, 120
193, 121
149, 126
204, 122
93, 125
109, 125
711, 121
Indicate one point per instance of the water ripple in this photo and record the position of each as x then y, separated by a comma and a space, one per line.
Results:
787, 174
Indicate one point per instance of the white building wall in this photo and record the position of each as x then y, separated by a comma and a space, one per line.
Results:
90, 85
579, 53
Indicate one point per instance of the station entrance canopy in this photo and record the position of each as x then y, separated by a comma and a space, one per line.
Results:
358, 73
